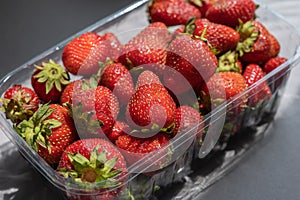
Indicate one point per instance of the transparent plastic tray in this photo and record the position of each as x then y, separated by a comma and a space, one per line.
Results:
207, 160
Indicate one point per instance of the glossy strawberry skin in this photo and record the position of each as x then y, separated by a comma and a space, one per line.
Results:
192, 59
222, 38
23, 100
85, 147
187, 117
82, 54
252, 74
118, 79
260, 51
147, 48
120, 128
224, 86
147, 77
278, 78
172, 12
61, 137
228, 12
150, 105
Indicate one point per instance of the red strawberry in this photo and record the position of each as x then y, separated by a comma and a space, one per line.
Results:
203, 5
19, 103
147, 77
229, 12
275, 46
187, 117
252, 74
49, 81
256, 46
221, 87
193, 61
220, 38
152, 151
150, 106
82, 54
94, 107
120, 128
148, 48
117, 78
49, 131
172, 12
91, 161
272, 64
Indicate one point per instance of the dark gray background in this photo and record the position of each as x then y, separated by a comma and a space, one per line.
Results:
270, 171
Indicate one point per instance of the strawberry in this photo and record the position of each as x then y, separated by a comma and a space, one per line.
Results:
279, 77
190, 62
187, 117
220, 38
221, 87
117, 78
257, 45
172, 12
147, 77
49, 131
229, 12
49, 81
94, 107
19, 103
82, 54
152, 153
91, 161
203, 5
148, 48
252, 74
119, 128
273, 63
150, 106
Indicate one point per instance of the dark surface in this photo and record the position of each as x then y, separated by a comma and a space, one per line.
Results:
270, 171
29, 27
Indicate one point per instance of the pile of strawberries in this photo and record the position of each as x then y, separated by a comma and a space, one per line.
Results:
128, 100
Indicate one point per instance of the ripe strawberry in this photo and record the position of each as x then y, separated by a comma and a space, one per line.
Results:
256, 45
172, 12
49, 81
82, 54
148, 48
147, 77
152, 151
272, 64
220, 38
192, 59
120, 128
229, 12
49, 131
187, 117
150, 106
95, 109
252, 74
94, 160
221, 87
117, 78
19, 103
275, 46
203, 5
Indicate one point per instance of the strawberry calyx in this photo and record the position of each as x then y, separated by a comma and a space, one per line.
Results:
85, 120
96, 169
248, 36
196, 2
190, 26
36, 130
52, 74
228, 62
90, 83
